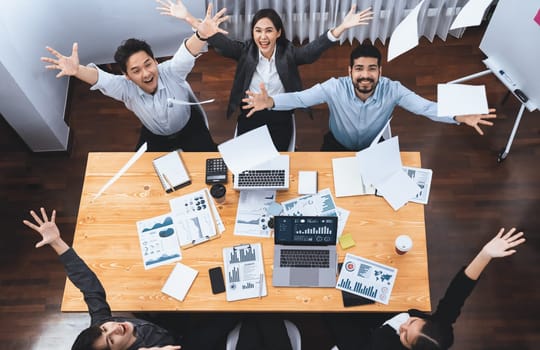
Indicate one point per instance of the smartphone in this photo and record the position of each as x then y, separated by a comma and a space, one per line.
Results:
216, 280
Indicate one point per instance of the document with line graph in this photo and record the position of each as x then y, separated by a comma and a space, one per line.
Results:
244, 272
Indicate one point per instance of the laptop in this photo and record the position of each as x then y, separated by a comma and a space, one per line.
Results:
270, 175
305, 251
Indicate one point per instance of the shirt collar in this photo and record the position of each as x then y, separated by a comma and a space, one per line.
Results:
272, 58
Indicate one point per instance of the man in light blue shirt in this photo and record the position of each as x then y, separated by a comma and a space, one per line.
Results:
360, 104
146, 88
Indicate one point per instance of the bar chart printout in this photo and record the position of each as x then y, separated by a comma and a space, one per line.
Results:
367, 278
245, 272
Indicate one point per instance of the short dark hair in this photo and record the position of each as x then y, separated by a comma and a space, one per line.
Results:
86, 339
365, 50
274, 17
434, 336
128, 48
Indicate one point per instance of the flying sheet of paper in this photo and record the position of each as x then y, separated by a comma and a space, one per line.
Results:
471, 14
121, 172
248, 150
405, 35
179, 281
348, 179
171, 101
460, 99
380, 161
380, 165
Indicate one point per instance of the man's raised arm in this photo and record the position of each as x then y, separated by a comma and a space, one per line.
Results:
70, 66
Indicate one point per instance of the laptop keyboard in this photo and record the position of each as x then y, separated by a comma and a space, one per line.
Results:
304, 258
261, 178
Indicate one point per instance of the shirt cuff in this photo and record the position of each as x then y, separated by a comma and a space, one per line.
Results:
101, 77
331, 36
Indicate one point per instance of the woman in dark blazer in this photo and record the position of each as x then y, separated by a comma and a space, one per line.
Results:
269, 58
417, 330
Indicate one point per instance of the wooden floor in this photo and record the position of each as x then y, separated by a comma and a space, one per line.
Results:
472, 196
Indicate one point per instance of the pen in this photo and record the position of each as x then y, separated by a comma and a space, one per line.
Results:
261, 279
167, 181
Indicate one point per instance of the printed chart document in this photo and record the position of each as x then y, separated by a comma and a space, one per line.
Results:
244, 272
422, 178
405, 35
248, 150
471, 14
318, 204
461, 99
348, 179
252, 214
179, 281
158, 240
380, 166
366, 278
196, 218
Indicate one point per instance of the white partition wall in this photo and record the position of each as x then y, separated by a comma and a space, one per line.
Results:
32, 100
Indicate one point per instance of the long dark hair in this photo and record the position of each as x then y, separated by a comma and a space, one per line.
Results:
86, 339
434, 336
274, 17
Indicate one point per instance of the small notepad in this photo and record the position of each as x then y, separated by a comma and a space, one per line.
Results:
171, 171
179, 281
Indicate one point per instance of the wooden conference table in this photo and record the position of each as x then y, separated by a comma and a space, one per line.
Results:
106, 238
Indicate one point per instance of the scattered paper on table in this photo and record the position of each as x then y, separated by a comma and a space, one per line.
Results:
461, 99
471, 14
252, 214
158, 241
248, 150
348, 179
405, 35
244, 272
367, 278
179, 281
380, 166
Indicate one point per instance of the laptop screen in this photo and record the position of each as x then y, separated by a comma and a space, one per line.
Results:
305, 230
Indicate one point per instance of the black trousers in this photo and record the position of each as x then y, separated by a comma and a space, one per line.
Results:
330, 144
279, 124
194, 137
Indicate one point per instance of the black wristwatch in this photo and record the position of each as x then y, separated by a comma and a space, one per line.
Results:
199, 36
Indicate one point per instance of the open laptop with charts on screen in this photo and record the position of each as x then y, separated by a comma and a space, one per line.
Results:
305, 251
270, 175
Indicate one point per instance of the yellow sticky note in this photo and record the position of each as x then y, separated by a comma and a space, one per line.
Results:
346, 241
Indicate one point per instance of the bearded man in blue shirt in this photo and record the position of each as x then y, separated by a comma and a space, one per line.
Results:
360, 104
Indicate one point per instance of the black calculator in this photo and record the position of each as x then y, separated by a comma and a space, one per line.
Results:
216, 171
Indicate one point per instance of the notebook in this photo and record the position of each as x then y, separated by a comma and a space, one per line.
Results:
270, 175
171, 171
305, 251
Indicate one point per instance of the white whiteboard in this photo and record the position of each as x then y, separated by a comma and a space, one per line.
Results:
512, 44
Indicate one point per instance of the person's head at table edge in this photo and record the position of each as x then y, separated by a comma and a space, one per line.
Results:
421, 333
137, 62
109, 335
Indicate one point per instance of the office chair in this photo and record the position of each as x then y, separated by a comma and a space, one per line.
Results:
385, 133
292, 331
292, 144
